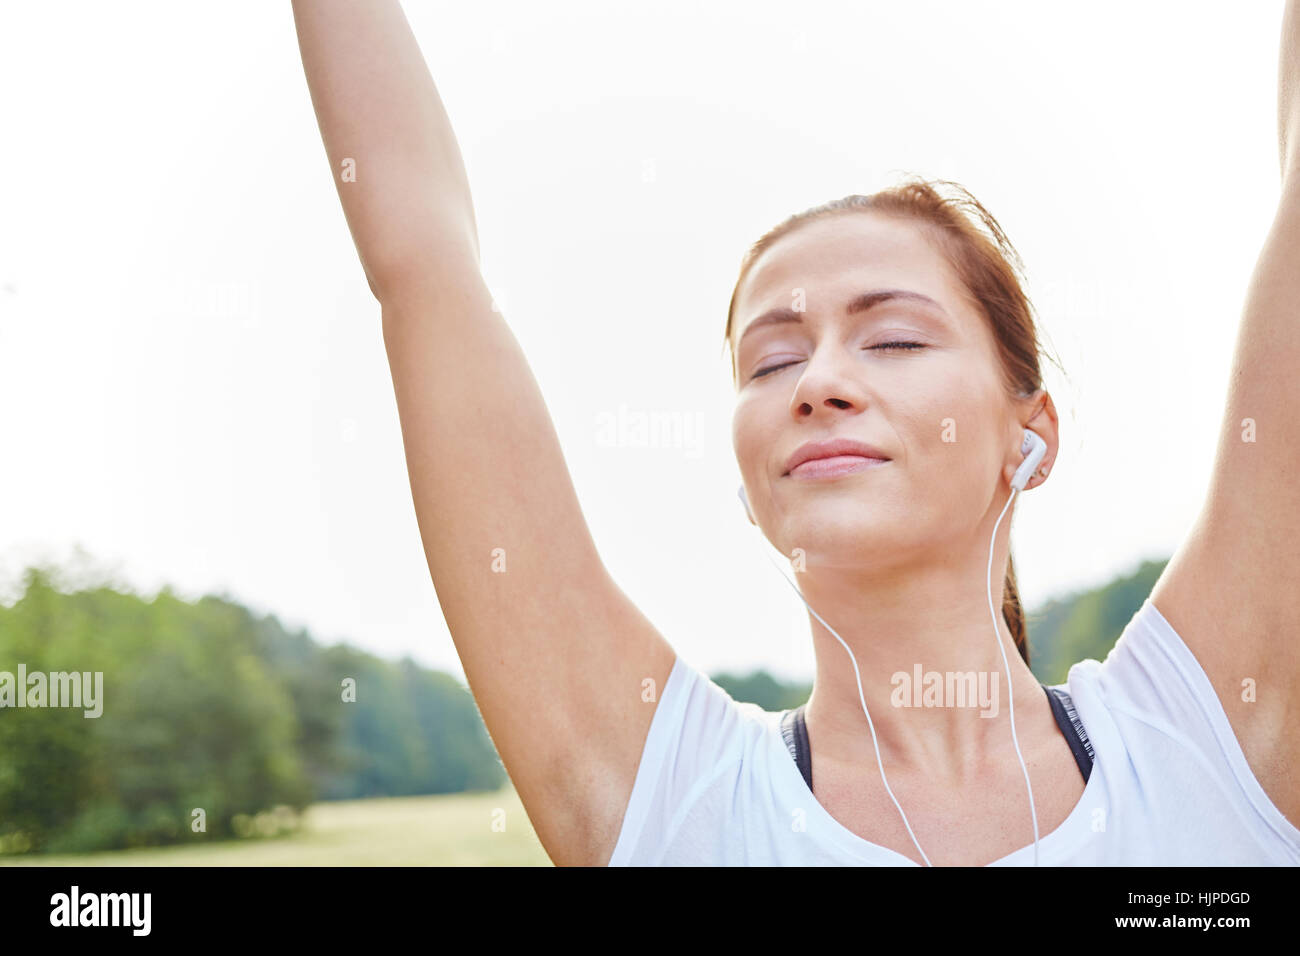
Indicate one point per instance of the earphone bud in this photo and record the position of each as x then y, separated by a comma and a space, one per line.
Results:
1033, 448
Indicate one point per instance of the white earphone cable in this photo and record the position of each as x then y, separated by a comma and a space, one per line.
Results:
1011, 696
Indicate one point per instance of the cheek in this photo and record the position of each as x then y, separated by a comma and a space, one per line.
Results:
945, 436
754, 417
746, 440
953, 414
960, 447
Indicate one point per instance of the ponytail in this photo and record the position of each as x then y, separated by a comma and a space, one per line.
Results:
1012, 612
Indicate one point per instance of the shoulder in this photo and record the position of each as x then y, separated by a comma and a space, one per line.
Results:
1152, 699
699, 734
711, 724
1150, 675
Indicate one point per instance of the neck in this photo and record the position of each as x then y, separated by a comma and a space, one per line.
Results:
930, 623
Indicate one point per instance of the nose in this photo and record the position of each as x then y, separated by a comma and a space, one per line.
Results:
829, 383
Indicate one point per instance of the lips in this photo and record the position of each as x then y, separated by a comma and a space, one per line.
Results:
832, 448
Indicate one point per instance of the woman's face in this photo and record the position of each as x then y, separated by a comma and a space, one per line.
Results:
938, 412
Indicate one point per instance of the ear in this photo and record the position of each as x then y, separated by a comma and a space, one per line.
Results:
1038, 413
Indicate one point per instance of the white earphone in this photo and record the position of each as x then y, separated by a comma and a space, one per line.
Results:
1033, 448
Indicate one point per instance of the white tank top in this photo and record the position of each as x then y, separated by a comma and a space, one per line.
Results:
1170, 786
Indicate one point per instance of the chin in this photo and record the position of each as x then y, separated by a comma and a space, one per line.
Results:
839, 534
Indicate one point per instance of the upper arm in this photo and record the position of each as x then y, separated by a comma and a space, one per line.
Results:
554, 652
1231, 590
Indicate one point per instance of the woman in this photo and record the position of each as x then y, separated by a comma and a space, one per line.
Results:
895, 323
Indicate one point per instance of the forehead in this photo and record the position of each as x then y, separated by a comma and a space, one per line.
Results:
835, 258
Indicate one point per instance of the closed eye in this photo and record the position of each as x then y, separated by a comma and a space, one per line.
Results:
883, 345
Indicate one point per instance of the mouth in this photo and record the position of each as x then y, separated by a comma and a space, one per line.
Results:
832, 457
834, 466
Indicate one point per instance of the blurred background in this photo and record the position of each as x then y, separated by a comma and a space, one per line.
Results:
204, 494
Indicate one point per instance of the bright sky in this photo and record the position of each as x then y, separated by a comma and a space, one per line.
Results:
192, 375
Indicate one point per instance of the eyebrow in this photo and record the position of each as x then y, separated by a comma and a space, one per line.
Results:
860, 303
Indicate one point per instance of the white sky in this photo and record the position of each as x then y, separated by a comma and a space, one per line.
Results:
192, 378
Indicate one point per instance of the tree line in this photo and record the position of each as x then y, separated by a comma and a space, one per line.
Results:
219, 723
212, 718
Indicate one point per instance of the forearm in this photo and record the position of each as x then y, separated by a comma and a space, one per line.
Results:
395, 160
1288, 92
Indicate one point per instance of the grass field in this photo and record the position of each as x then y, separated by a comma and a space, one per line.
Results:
452, 830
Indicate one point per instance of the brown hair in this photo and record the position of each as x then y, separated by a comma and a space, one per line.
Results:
990, 268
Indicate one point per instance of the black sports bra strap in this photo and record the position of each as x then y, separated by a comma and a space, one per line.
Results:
795, 732
1067, 718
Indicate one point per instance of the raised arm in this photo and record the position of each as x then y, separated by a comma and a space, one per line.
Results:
554, 652
1231, 589
396, 163
1288, 93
